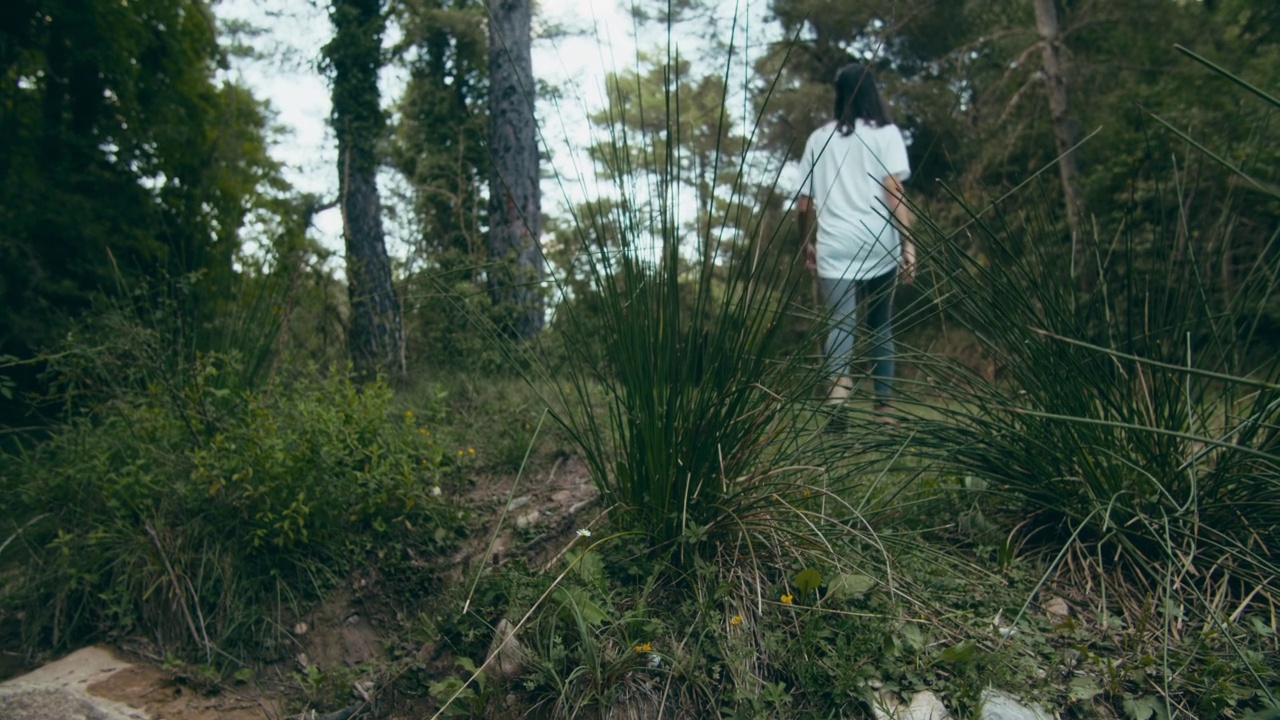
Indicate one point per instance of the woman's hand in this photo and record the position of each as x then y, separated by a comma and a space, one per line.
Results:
907, 265
810, 258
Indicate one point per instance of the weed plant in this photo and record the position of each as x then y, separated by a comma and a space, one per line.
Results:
684, 384
205, 517
1132, 432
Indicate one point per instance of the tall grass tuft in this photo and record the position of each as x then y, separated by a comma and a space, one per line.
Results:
1135, 418
684, 380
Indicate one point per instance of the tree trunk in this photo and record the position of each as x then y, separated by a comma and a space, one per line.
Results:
1064, 131
376, 336
515, 214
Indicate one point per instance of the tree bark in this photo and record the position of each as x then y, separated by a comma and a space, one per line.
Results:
1064, 131
375, 336
515, 214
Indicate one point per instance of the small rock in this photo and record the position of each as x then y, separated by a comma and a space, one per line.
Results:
518, 503
301, 628
528, 519
507, 651
1000, 705
885, 705
1057, 610
923, 706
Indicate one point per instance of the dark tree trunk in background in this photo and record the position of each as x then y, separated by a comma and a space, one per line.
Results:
376, 336
515, 214
1064, 131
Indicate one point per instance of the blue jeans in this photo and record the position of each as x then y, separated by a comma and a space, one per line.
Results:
841, 298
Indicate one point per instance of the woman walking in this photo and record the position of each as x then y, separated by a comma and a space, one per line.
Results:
853, 195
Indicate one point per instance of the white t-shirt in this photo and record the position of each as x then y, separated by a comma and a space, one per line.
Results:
846, 181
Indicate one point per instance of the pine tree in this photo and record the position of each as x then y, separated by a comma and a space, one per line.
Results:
515, 214
375, 336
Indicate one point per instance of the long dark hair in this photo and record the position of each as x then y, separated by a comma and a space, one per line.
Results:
858, 99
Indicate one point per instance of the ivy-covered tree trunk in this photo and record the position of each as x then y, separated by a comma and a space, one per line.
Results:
376, 335
1064, 131
515, 214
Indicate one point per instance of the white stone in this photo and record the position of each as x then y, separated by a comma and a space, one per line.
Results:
1000, 705
60, 690
528, 519
507, 652
923, 706
1057, 610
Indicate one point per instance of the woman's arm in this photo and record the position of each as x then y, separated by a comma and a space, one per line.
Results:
807, 217
895, 198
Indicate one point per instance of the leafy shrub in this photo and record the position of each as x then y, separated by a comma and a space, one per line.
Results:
207, 516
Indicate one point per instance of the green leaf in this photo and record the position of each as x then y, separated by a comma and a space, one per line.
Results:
914, 636
1141, 708
848, 586
1083, 688
808, 580
588, 566
960, 652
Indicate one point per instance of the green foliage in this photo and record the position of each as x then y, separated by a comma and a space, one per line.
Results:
1134, 430
681, 386
207, 517
121, 157
444, 314
463, 700
354, 57
439, 143
692, 408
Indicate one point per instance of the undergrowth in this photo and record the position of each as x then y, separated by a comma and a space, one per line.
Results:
207, 518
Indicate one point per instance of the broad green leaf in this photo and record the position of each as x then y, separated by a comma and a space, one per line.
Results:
846, 586
960, 652
914, 636
1141, 708
808, 580
1083, 688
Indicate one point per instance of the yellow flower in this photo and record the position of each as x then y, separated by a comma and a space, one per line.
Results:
460, 453
736, 620
471, 451
786, 598
422, 431
408, 414
643, 647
